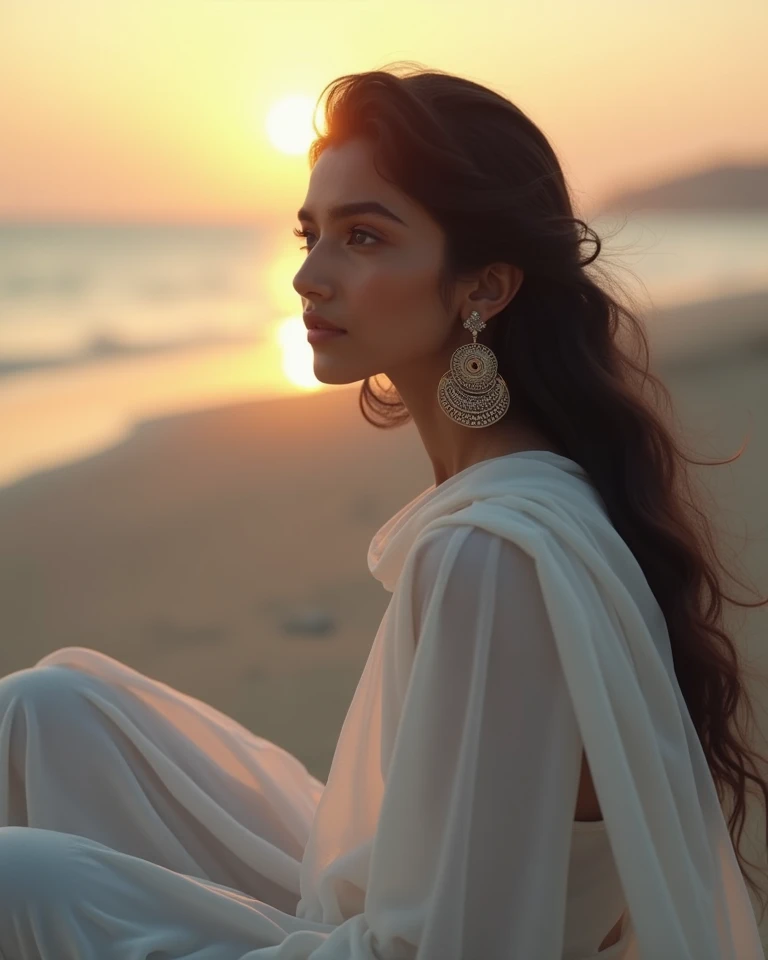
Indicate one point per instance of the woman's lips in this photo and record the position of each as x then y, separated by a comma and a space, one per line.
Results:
320, 334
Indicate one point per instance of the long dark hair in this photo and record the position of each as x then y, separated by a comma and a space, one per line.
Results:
575, 360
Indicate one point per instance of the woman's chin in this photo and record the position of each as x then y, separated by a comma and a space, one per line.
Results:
325, 373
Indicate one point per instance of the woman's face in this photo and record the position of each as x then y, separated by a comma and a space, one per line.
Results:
372, 275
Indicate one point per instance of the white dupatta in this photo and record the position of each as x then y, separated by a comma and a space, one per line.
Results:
686, 897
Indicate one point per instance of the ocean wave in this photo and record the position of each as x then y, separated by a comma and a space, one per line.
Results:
103, 346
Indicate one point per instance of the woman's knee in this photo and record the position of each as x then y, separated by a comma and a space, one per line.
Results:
45, 688
54, 704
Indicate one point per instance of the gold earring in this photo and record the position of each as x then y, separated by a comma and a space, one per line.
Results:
471, 392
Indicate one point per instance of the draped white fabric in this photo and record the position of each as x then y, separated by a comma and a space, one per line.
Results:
426, 803
472, 853
520, 630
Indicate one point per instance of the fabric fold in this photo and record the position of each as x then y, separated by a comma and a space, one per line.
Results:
686, 896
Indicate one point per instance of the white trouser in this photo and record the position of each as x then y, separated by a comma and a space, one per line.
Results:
138, 822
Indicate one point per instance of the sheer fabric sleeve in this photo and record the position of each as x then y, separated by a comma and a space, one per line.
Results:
471, 853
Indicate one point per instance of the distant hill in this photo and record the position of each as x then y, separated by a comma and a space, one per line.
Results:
726, 187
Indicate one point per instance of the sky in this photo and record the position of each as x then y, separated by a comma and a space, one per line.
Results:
131, 110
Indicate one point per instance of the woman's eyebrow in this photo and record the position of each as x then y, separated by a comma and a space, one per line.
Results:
349, 209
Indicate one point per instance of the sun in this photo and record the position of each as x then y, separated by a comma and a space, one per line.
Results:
289, 124
297, 354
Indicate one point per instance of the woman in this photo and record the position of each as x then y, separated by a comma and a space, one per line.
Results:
532, 763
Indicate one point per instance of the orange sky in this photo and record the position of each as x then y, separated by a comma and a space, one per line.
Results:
134, 109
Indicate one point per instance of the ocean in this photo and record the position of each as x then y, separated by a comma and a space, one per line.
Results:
138, 320
77, 291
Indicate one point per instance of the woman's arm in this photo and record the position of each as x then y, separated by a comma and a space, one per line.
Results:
471, 853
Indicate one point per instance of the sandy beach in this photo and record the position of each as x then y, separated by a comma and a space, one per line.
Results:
224, 551
189, 550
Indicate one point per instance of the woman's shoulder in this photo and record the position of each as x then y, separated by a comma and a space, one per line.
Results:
468, 553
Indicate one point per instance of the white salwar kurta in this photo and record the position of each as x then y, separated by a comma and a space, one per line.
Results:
520, 631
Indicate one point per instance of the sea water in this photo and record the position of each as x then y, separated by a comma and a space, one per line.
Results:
104, 324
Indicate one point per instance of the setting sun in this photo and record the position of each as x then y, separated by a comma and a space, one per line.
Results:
289, 124
297, 354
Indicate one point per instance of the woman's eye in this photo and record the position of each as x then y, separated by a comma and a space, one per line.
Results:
351, 232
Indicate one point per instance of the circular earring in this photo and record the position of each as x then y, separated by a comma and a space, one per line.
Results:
471, 392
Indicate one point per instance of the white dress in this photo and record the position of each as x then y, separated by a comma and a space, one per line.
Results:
520, 630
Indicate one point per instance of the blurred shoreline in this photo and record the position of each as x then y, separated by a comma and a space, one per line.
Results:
53, 419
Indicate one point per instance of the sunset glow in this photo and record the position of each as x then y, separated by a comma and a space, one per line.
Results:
143, 126
289, 125
297, 354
